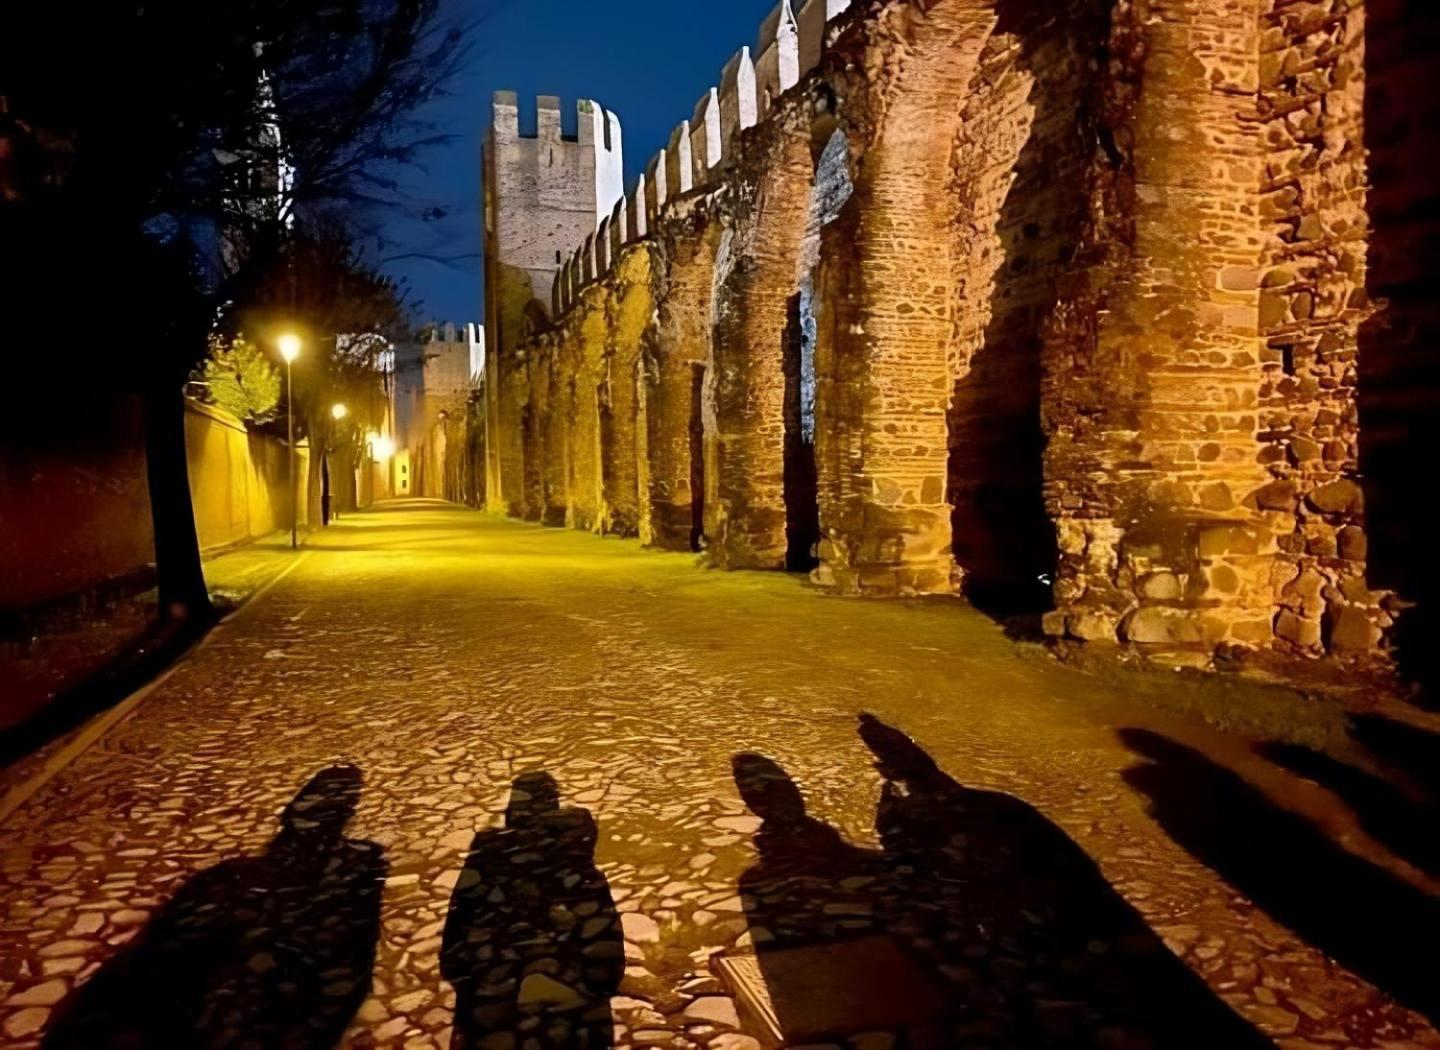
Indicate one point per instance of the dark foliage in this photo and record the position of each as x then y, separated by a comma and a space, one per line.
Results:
155, 157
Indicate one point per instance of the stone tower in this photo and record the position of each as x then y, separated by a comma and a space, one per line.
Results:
544, 194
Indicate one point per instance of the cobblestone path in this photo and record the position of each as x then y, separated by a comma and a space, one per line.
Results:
592, 791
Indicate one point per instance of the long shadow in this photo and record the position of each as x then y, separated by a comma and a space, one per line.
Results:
1410, 750
978, 923
1374, 924
532, 943
1003, 536
1405, 825
268, 951
1399, 358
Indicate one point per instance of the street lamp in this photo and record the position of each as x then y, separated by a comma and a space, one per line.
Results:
339, 412
289, 344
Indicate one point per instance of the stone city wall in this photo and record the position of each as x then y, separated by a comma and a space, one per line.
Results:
435, 379
1060, 305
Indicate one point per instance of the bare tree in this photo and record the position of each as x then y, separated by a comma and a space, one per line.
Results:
322, 286
156, 156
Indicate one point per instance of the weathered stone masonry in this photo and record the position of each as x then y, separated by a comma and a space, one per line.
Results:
1062, 305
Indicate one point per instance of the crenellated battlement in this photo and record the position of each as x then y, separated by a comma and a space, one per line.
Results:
789, 45
594, 125
545, 190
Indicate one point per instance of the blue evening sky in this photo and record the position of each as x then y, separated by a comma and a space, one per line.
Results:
647, 60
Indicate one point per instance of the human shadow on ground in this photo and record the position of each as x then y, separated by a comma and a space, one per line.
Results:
1406, 748
977, 923
1395, 795
1371, 922
274, 951
532, 943
1402, 822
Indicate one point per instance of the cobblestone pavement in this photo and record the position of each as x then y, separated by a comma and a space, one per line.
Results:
600, 795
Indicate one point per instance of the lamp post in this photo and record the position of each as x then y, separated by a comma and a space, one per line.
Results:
290, 350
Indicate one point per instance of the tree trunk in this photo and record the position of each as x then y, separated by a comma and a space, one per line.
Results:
345, 488
312, 484
181, 577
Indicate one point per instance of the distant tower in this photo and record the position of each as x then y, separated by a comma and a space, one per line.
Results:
544, 194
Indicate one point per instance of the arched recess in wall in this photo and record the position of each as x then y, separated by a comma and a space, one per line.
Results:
746, 524
531, 374
758, 388
570, 405
554, 434
940, 276
531, 424
705, 472
832, 188
1018, 178
887, 353
672, 366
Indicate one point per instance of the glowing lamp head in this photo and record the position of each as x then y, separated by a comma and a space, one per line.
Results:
339, 412
382, 447
289, 344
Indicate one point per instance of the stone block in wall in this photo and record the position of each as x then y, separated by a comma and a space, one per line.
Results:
1163, 625
1343, 498
1352, 631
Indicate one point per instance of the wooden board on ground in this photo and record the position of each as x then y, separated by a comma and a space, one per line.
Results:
829, 991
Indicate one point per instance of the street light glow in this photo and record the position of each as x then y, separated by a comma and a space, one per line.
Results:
339, 412
382, 447
289, 344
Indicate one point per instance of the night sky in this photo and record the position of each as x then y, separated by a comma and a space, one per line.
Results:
647, 60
